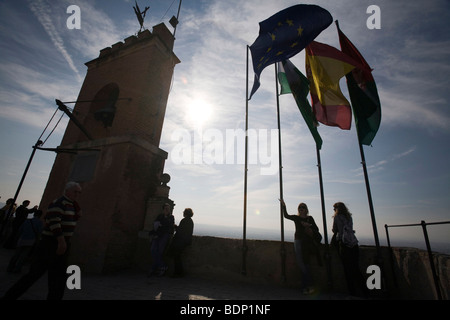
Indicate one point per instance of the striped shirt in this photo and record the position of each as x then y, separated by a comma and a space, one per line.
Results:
61, 218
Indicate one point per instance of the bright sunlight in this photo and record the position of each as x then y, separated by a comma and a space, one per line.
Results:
198, 112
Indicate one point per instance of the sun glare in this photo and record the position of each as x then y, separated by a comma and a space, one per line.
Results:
198, 113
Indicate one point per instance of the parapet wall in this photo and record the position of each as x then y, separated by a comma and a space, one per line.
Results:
406, 276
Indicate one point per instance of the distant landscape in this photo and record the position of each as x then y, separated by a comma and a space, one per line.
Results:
275, 235
265, 234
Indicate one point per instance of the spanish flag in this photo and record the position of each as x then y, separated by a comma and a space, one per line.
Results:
325, 66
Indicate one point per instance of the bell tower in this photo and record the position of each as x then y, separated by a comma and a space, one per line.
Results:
120, 110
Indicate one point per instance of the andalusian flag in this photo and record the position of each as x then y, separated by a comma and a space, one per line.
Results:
325, 66
293, 81
285, 34
363, 93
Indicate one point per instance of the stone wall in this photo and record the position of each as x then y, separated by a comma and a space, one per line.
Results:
413, 275
406, 276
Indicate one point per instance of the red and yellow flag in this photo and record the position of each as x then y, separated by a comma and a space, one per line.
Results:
363, 93
325, 66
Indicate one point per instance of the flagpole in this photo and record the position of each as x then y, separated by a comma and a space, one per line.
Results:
366, 178
379, 259
324, 220
178, 16
244, 234
349, 49
282, 249
369, 196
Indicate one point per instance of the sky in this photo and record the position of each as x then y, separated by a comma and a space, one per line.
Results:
42, 59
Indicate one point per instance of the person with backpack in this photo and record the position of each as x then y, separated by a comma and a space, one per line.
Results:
28, 237
348, 249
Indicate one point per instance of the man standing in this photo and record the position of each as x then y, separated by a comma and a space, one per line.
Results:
21, 216
182, 239
53, 249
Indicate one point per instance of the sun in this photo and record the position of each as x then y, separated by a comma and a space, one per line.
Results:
198, 112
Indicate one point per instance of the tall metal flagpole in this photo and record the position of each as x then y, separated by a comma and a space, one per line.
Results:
369, 196
178, 18
379, 258
324, 219
282, 249
244, 235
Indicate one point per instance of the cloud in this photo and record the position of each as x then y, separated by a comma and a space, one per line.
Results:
98, 30
411, 65
212, 39
413, 110
43, 12
380, 165
404, 154
30, 97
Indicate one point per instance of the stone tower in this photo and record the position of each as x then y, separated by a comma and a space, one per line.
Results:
121, 106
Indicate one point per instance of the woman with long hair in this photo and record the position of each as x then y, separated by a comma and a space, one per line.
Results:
307, 238
348, 249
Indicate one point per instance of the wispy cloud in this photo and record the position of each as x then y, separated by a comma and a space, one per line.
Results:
43, 12
212, 39
380, 165
414, 110
30, 104
404, 154
98, 29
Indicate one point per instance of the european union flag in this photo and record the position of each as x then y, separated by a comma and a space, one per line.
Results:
285, 34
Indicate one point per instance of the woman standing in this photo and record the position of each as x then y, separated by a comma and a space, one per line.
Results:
163, 230
348, 248
307, 238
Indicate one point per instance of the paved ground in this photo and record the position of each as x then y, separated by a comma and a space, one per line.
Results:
178, 297
136, 285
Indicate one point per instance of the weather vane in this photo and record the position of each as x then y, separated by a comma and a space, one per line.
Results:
140, 15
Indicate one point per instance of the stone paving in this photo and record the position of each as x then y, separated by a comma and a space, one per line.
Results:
136, 285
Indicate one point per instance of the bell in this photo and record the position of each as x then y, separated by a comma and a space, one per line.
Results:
105, 115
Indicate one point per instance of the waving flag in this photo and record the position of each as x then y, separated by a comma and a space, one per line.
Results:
293, 81
325, 66
285, 34
363, 93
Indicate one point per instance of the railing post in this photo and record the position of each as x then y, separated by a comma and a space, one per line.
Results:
430, 256
391, 258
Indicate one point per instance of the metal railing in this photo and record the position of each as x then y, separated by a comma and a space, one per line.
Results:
427, 243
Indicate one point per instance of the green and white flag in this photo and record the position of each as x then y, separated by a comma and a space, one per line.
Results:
293, 81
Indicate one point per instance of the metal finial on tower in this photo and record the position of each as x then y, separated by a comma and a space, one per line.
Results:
140, 15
